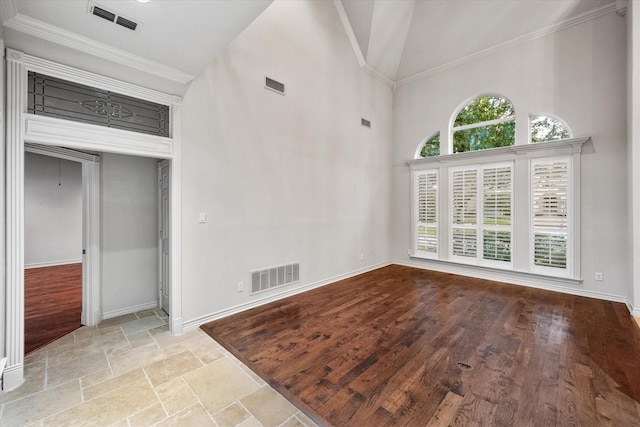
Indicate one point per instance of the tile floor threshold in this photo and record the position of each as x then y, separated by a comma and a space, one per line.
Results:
130, 371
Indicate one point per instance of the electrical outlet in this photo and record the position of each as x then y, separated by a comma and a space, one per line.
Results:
240, 286
599, 276
361, 257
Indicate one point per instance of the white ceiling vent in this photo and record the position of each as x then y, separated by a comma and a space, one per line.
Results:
111, 16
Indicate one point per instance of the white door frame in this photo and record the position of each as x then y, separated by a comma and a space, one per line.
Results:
164, 282
22, 127
91, 309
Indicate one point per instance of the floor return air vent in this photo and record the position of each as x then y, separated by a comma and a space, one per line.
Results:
274, 277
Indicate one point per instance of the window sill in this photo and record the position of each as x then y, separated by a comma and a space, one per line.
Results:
517, 277
574, 145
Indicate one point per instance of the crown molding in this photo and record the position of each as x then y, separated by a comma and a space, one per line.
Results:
8, 9
66, 72
617, 7
51, 33
579, 19
378, 75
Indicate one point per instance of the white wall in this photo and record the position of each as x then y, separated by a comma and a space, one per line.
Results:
282, 179
129, 209
577, 74
52, 211
633, 144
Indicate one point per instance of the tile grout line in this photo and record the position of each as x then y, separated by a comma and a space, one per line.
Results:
166, 412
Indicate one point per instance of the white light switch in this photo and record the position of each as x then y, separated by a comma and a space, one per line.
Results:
202, 217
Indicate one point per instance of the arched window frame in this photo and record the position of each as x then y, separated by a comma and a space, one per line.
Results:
532, 116
464, 104
418, 153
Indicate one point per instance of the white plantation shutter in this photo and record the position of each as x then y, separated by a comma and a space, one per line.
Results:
426, 193
481, 199
464, 212
496, 212
550, 185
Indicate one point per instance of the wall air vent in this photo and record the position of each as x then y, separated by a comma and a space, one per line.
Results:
102, 13
126, 23
365, 122
263, 280
113, 17
274, 85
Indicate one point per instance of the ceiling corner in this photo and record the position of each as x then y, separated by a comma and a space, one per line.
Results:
8, 10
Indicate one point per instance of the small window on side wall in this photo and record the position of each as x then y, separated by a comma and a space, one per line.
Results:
431, 147
485, 122
546, 128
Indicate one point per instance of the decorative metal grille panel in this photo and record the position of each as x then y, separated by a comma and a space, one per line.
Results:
53, 97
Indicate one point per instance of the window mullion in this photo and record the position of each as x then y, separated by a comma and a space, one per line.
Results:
483, 124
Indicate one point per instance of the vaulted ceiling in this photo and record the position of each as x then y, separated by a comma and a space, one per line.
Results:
395, 39
405, 38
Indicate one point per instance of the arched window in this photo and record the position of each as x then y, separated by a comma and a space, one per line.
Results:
545, 128
486, 122
431, 147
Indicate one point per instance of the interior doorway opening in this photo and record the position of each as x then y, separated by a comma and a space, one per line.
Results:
22, 127
53, 248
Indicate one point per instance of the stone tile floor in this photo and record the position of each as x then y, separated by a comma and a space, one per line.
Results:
130, 371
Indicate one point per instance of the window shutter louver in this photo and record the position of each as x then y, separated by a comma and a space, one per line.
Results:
550, 219
496, 213
464, 188
427, 212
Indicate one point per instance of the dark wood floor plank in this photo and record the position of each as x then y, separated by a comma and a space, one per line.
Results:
52, 303
383, 349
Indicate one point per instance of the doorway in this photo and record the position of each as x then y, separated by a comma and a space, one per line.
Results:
22, 127
53, 248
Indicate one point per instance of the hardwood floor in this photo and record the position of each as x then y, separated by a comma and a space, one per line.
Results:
408, 347
52, 303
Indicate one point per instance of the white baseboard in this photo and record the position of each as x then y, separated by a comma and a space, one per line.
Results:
53, 263
12, 377
3, 363
549, 284
521, 279
129, 310
195, 323
176, 326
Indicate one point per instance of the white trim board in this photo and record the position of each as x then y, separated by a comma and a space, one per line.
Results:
195, 323
53, 263
129, 310
51, 33
529, 280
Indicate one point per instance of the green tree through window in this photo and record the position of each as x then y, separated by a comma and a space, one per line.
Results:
431, 147
486, 122
544, 128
